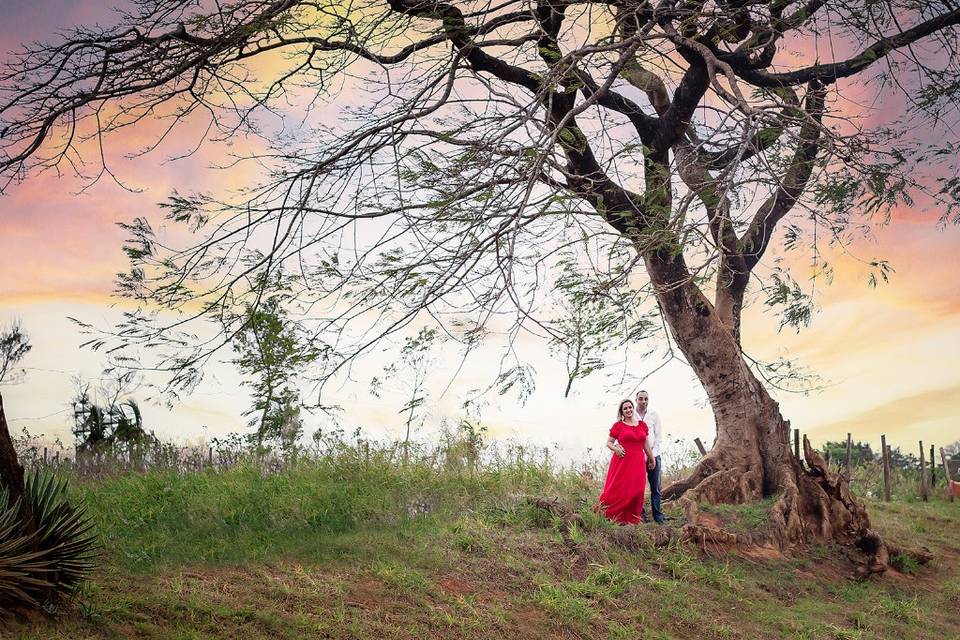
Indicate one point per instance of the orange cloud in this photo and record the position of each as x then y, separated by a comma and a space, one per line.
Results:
927, 416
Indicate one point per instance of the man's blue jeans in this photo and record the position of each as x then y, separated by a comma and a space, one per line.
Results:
653, 479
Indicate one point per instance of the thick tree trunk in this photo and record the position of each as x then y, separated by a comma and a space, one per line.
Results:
11, 474
751, 456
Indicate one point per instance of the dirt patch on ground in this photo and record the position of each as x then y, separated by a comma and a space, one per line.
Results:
22, 616
529, 618
760, 553
455, 587
365, 593
709, 520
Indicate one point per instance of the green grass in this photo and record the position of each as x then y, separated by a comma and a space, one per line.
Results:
904, 563
568, 608
345, 547
400, 578
742, 518
163, 518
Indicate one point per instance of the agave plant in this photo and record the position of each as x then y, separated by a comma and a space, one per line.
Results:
42, 567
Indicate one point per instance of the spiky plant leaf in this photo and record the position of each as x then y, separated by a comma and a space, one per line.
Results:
48, 564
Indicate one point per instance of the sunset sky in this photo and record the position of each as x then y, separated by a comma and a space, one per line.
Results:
888, 356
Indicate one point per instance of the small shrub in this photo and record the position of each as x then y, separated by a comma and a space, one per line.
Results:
575, 533
905, 563
47, 566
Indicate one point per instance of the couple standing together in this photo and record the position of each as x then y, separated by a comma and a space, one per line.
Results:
635, 443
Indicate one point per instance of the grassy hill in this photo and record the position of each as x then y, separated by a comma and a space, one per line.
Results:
355, 546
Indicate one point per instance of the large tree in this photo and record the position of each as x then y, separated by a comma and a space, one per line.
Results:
452, 156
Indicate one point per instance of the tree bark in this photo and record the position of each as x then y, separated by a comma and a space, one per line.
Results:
11, 475
751, 457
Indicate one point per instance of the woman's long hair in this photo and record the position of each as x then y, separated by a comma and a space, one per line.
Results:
620, 408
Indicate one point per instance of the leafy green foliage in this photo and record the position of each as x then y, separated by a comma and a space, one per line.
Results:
905, 563
879, 270
110, 425
593, 318
860, 452
409, 375
784, 292
189, 209
520, 379
272, 351
14, 345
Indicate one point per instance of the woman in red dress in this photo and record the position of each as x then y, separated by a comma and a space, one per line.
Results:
622, 497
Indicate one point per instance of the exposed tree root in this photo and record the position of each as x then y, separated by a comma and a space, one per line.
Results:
707, 532
704, 469
733, 485
921, 556
814, 504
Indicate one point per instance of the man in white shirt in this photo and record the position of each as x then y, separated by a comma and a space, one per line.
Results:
654, 434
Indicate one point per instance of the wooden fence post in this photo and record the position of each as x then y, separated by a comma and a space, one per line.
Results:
923, 475
700, 446
210, 457
946, 473
885, 453
933, 469
849, 455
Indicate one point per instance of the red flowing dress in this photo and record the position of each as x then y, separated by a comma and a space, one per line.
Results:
622, 497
